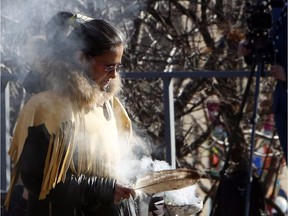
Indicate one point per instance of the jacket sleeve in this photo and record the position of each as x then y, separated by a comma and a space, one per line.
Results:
79, 189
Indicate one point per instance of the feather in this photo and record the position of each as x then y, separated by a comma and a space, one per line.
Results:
166, 180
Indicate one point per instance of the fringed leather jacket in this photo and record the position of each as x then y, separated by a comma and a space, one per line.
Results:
67, 144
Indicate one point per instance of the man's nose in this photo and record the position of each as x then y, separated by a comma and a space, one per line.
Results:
112, 74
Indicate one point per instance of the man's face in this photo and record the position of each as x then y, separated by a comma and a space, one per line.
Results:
104, 67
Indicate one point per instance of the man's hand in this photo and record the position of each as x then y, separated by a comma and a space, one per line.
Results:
278, 72
122, 192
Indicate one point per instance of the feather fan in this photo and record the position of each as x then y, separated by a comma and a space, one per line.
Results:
166, 180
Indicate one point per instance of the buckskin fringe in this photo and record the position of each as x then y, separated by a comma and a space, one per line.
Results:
55, 169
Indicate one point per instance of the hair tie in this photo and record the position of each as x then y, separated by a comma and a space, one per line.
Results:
78, 19
75, 21
82, 18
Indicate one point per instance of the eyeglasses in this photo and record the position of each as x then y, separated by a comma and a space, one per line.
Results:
110, 69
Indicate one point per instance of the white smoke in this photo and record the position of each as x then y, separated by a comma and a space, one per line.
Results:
21, 21
185, 200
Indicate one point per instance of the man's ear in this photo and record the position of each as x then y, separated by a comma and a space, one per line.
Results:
82, 59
